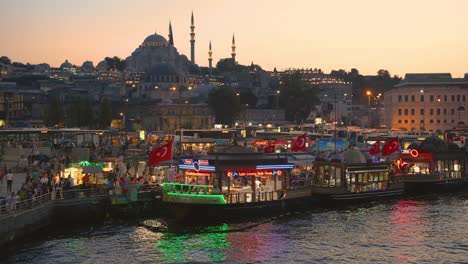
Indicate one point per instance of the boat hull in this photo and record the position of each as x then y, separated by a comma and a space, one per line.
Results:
437, 186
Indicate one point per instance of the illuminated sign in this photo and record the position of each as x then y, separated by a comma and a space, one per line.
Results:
197, 174
236, 174
274, 167
414, 153
196, 165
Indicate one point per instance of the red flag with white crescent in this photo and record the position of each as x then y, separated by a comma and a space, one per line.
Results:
390, 147
161, 153
269, 149
299, 144
375, 148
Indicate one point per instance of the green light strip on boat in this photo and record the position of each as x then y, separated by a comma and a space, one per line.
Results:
217, 198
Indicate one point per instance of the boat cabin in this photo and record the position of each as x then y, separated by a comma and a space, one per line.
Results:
235, 175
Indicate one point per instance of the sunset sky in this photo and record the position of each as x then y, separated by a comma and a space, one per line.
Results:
400, 35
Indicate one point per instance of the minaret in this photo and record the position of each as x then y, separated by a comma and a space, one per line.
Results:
192, 41
210, 57
171, 37
233, 54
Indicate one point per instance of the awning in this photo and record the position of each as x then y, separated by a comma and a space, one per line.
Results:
92, 169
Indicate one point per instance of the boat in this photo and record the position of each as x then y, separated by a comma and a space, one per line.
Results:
433, 167
352, 177
234, 182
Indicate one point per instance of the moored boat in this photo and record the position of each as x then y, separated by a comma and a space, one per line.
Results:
430, 169
353, 178
232, 183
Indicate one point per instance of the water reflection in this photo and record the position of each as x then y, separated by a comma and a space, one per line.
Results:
408, 230
205, 244
405, 231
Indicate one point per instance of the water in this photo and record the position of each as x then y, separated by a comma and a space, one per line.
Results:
430, 230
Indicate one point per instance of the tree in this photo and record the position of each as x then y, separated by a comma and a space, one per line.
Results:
296, 98
54, 113
115, 63
80, 113
105, 114
225, 104
5, 60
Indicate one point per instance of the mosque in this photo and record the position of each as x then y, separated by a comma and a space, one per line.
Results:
160, 60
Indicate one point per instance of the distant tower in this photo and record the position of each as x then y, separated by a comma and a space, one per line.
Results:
171, 37
210, 57
233, 54
192, 41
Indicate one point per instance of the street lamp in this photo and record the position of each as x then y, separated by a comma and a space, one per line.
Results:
423, 127
369, 93
277, 98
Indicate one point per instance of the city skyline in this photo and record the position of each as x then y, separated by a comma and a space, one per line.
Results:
420, 36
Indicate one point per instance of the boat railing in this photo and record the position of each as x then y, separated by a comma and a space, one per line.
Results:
248, 197
187, 188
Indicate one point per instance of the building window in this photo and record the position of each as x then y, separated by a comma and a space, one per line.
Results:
399, 121
463, 98
422, 121
458, 98
445, 98
406, 98
431, 98
445, 121
431, 121
453, 121
406, 121
412, 98
412, 121
453, 112
438, 121
399, 98
453, 98
421, 112
431, 111
445, 111
412, 111
438, 111
399, 112
406, 112
422, 98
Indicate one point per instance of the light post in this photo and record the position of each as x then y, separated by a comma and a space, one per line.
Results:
369, 93
277, 98
423, 127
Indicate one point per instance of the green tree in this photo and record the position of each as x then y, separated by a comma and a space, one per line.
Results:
54, 113
226, 65
5, 60
115, 63
105, 114
296, 97
80, 113
225, 104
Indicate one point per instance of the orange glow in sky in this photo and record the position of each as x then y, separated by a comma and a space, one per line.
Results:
400, 35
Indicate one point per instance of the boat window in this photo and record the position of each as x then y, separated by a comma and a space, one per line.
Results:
338, 176
332, 176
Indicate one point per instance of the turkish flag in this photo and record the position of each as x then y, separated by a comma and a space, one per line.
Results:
391, 146
299, 144
269, 149
159, 154
375, 148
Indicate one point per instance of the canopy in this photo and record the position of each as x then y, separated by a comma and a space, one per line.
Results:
92, 169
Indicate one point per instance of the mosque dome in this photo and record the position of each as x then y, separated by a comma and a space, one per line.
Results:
87, 64
102, 66
354, 156
155, 40
66, 65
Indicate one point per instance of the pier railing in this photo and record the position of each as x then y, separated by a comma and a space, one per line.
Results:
12, 206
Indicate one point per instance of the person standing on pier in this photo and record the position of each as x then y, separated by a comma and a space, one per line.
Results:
9, 179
